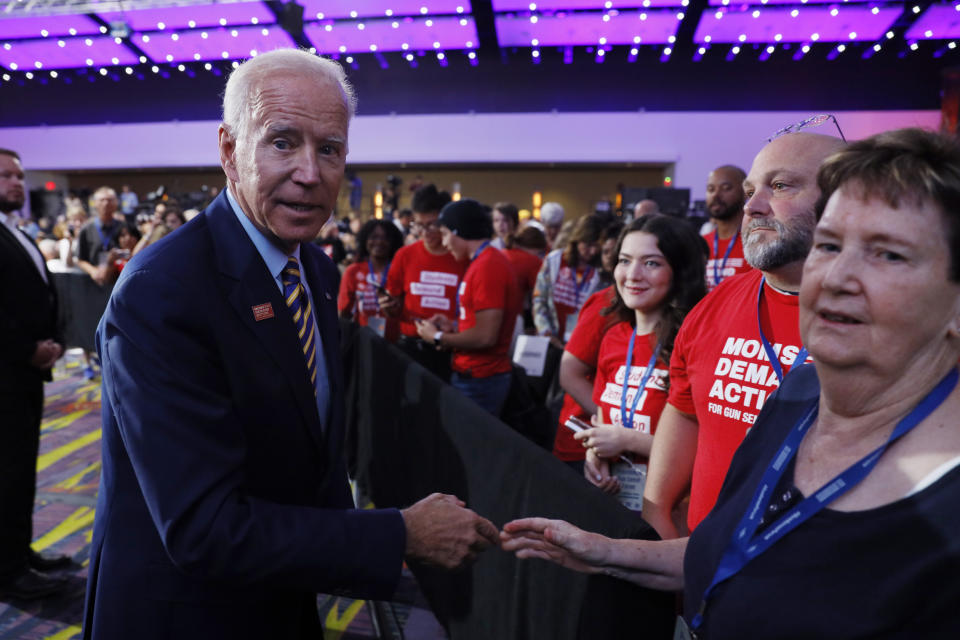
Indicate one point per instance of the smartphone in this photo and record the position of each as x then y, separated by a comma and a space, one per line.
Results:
575, 424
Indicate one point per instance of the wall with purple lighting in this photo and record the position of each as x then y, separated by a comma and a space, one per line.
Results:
694, 142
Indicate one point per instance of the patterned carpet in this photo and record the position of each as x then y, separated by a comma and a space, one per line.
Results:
68, 474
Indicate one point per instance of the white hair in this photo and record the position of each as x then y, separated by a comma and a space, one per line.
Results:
551, 214
243, 80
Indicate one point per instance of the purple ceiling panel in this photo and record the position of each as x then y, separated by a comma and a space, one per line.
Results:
403, 34
567, 5
741, 3
844, 23
938, 22
75, 52
381, 8
43, 26
220, 43
200, 15
628, 27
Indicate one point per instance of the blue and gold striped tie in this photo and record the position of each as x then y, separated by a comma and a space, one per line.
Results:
299, 303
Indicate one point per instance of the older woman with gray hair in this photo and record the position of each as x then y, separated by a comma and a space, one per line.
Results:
838, 516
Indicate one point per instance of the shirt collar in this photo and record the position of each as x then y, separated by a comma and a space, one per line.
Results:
8, 220
274, 258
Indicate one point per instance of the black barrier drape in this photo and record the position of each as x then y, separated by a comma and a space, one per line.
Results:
81, 303
411, 435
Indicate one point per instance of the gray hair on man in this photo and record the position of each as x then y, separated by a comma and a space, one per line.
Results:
237, 103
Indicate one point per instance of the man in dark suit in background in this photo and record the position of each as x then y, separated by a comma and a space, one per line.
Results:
29, 345
223, 504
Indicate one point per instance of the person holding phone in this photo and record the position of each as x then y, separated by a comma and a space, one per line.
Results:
659, 276
365, 280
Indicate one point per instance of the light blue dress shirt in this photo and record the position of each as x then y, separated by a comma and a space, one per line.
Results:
276, 261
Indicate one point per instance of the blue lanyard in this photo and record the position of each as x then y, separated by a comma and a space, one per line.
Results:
716, 249
479, 250
768, 348
578, 287
626, 419
744, 546
104, 240
383, 279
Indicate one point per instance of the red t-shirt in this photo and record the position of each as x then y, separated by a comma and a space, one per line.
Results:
358, 294
720, 372
611, 371
734, 264
489, 283
527, 267
427, 282
584, 344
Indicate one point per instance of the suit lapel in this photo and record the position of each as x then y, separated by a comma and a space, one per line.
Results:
249, 287
11, 240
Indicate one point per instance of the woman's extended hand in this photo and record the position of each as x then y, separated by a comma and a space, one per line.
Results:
557, 541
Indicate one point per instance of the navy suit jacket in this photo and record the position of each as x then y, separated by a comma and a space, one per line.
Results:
223, 504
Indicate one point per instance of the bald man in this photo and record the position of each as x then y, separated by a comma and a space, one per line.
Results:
725, 208
720, 370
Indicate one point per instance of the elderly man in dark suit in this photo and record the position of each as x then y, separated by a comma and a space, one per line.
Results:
29, 345
223, 505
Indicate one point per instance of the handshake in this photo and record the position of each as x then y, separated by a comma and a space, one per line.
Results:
442, 532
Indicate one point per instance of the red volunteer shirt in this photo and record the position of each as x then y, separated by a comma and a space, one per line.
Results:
611, 370
720, 372
489, 283
427, 282
734, 264
358, 294
527, 266
584, 344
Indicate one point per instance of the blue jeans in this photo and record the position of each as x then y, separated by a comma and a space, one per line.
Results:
490, 393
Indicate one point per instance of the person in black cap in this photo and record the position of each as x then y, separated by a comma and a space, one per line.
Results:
488, 302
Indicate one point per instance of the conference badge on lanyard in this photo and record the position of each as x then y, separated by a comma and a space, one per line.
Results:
570, 324
378, 324
632, 477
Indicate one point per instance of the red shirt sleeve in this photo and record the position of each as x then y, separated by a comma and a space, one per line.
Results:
591, 326
347, 297
396, 273
528, 271
681, 397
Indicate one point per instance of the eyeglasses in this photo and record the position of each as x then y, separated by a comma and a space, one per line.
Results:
433, 225
812, 121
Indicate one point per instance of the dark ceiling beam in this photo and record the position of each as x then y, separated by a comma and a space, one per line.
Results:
486, 24
685, 46
289, 16
127, 40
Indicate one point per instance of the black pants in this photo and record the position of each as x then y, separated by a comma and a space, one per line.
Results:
20, 415
427, 355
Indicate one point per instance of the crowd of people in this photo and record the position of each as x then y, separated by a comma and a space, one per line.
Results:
98, 238
771, 393
852, 465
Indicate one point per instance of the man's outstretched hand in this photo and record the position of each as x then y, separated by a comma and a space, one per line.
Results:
442, 532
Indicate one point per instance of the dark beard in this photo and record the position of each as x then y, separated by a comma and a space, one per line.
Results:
6, 206
727, 214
